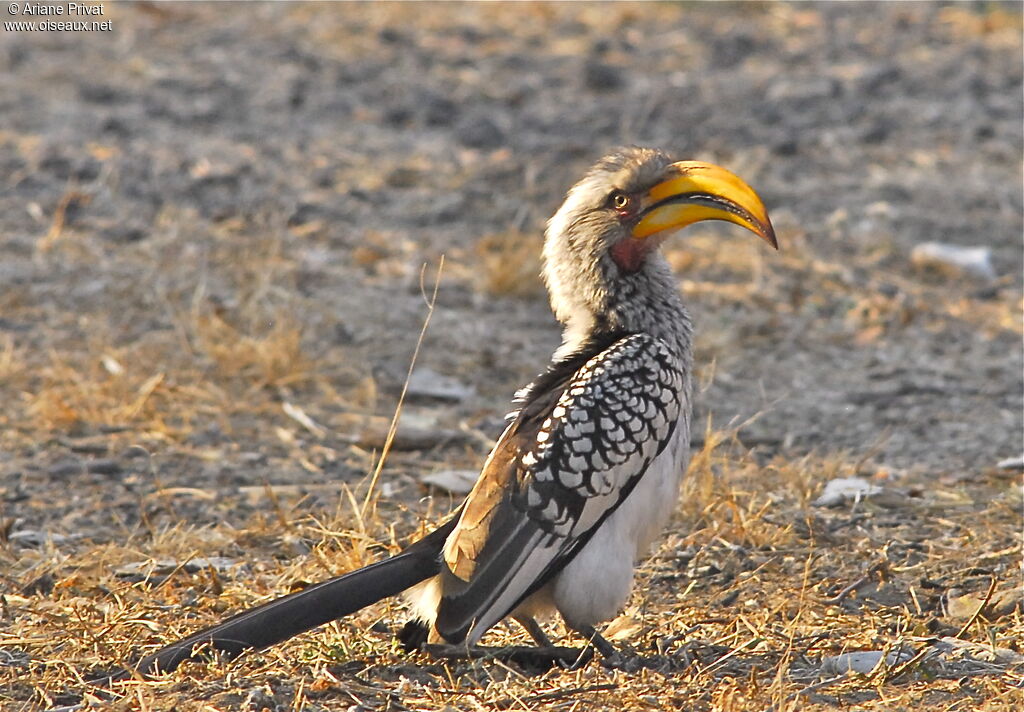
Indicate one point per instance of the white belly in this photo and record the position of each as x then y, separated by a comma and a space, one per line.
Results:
596, 584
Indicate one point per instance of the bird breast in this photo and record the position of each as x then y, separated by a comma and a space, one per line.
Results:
596, 584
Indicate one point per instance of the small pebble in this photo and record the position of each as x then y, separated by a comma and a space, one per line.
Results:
104, 466
65, 468
599, 76
954, 259
479, 132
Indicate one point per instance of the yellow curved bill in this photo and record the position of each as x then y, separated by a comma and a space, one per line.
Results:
693, 191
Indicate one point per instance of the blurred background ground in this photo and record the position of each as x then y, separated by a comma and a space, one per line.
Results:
215, 223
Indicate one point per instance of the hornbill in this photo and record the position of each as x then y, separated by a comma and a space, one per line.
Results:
588, 469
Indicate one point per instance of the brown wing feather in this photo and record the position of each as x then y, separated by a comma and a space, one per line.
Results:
464, 545
467, 540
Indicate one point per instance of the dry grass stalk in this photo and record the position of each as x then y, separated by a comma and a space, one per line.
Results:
393, 427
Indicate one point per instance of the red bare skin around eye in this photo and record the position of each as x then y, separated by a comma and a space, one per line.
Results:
629, 254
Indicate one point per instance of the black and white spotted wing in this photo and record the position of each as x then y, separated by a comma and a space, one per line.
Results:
575, 450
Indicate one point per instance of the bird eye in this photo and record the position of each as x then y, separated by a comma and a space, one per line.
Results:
621, 201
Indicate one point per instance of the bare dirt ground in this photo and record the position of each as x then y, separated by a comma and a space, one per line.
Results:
213, 224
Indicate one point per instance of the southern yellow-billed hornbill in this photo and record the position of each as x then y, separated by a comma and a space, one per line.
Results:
588, 470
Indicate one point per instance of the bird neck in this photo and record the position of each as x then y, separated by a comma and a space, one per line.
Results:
608, 301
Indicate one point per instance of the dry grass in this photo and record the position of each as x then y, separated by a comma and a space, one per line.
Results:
509, 265
139, 387
752, 587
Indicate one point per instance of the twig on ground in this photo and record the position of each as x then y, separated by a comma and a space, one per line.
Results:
839, 597
970, 621
897, 670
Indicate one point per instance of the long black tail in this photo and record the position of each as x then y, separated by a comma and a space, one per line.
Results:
298, 612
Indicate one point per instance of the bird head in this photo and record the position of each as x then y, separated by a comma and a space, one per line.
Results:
616, 217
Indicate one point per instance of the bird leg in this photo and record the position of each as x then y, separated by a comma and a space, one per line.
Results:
531, 626
616, 659
416, 636
596, 640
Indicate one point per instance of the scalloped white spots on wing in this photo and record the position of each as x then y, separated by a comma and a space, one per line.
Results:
611, 420
563, 468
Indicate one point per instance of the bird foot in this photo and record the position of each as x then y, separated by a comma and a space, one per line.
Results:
631, 663
623, 662
527, 656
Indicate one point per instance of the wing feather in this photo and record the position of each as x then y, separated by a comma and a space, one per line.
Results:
574, 451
